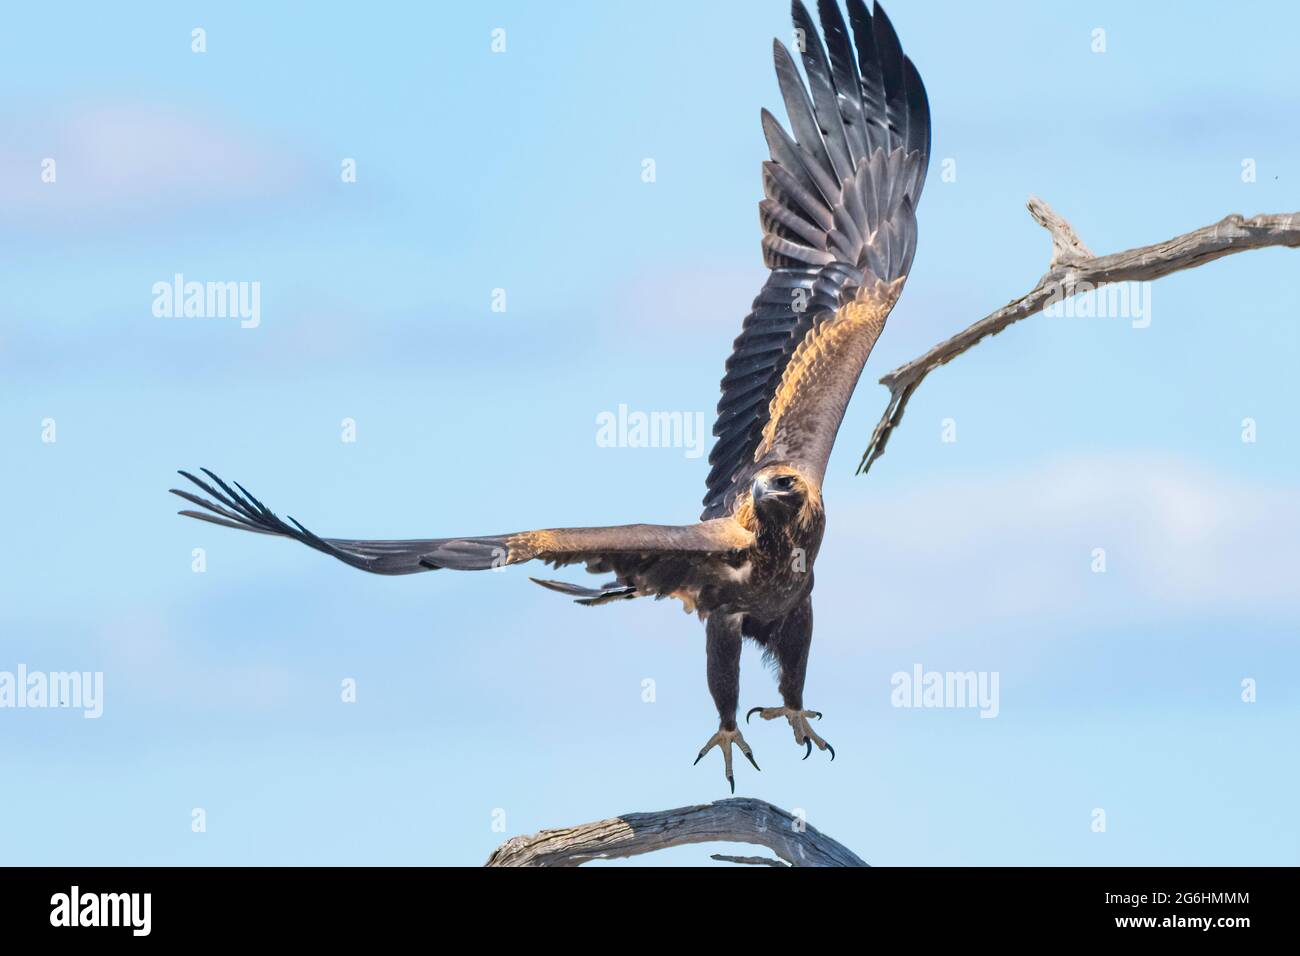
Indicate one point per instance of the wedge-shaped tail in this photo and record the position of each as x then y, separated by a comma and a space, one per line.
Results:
592, 597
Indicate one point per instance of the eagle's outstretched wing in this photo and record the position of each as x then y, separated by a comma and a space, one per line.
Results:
839, 232
650, 559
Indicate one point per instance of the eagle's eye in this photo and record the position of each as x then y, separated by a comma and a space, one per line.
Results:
784, 482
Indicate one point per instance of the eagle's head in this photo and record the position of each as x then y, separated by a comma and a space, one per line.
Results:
782, 495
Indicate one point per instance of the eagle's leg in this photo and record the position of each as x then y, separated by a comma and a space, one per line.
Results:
722, 644
789, 643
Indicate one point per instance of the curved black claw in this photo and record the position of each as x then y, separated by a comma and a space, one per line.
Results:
752, 712
732, 780
750, 758
808, 742
700, 757
816, 713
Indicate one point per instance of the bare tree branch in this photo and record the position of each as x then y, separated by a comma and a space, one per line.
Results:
738, 820
748, 860
1073, 268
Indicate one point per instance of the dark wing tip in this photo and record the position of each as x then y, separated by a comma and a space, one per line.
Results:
878, 13
228, 507
213, 519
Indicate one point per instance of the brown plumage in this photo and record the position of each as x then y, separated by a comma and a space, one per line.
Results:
839, 233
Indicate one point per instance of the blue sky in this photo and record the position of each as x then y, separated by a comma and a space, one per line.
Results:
522, 171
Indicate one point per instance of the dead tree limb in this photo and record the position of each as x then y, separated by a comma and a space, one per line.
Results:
1073, 268
738, 820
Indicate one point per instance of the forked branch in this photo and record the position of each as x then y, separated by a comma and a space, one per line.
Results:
1073, 268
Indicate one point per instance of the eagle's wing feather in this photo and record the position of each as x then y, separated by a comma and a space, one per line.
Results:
655, 559
839, 233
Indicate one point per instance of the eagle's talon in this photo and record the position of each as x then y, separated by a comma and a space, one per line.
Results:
803, 734
723, 740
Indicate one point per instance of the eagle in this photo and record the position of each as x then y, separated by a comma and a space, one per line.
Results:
839, 231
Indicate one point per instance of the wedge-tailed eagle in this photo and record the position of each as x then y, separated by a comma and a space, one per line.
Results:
839, 233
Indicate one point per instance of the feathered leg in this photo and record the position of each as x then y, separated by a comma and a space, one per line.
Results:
722, 643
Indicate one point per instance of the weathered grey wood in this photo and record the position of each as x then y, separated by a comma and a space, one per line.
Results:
737, 820
748, 860
1073, 266
1067, 247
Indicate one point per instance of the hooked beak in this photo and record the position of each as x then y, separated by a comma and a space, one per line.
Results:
759, 490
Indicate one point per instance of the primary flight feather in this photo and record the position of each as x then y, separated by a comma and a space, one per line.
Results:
839, 232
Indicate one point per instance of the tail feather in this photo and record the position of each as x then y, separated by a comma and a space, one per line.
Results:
591, 597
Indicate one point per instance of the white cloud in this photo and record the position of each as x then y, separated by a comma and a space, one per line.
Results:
138, 159
1011, 552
